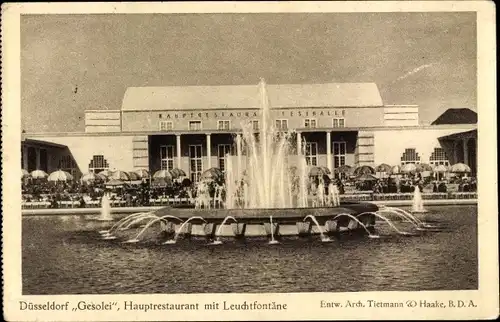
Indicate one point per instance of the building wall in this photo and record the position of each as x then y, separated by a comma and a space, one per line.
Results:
150, 120
117, 150
389, 145
102, 121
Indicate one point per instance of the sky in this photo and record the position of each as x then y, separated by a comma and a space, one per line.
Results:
72, 63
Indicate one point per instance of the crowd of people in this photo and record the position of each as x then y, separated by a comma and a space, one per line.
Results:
143, 193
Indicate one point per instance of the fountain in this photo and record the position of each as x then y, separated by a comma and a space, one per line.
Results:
324, 238
179, 231
418, 202
271, 192
217, 240
105, 209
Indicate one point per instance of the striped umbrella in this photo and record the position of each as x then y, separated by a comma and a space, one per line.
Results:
212, 174
60, 175
176, 173
133, 176
319, 171
24, 173
344, 169
421, 167
441, 168
384, 167
364, 169
39, 174
93, 177
119, 175
162, 174
460, 168
142, 173
396, 169
105, 173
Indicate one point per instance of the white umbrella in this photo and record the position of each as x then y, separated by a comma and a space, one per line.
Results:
409, 168
38, 174
24, 173
119, 175
60, 175
460, 168
91, 177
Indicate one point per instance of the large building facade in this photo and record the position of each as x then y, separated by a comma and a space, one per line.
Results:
194, 127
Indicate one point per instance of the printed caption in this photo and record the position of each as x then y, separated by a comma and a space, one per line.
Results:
398, 304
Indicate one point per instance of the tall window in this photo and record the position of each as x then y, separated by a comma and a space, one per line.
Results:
282, 125
43, 160
166, 125
410, 156
255, 125
66, 163
312, 153
22, 158
339, 152
223, 125
31, 159
439, 157
98, 164
194, 125
338, 122
167, 157
310, 123
195, 162
222, 151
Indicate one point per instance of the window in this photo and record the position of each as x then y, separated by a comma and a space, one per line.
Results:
66, 163
282, 125
31, 159
222, 151
439, 157
310, 123
339, 152
166, 125
43, 160
410, 156
255, 125
223, 125
339, 122
167, 157
195, 162
98, 164
312, 153
194, 125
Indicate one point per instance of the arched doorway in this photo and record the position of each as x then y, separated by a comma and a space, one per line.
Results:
472, 155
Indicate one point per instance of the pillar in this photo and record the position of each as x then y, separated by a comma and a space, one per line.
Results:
25, 159
178, 145
37, 158
455, 151
466, 152
329, 151
299, 143
209, 151
238, 152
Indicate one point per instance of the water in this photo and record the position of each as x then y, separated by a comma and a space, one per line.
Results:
65, 255
105, 209
418, 202
268, 181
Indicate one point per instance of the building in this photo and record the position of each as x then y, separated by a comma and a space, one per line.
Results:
193, 127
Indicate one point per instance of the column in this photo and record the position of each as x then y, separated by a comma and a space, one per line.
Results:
25, 160
238, 151
209, 151
466, 151
329, 151
299, 143
455, 151
37, 158
178, 145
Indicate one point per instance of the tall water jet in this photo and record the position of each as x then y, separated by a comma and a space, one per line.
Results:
418, 202
231, 183
324, 238
303, 203
105, 209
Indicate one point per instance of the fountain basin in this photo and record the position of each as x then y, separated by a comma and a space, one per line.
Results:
211, 223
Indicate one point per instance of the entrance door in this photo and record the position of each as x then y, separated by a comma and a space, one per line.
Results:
195, 161
223, 150
339, 151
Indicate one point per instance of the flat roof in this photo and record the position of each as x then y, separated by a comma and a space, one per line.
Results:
248, 96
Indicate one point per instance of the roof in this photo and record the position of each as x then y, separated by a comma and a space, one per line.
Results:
42, 143
457, 116
247, 96
460, 135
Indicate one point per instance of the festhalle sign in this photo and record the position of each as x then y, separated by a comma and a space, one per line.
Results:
313, 113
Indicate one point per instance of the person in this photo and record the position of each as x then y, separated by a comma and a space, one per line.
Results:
434, 187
